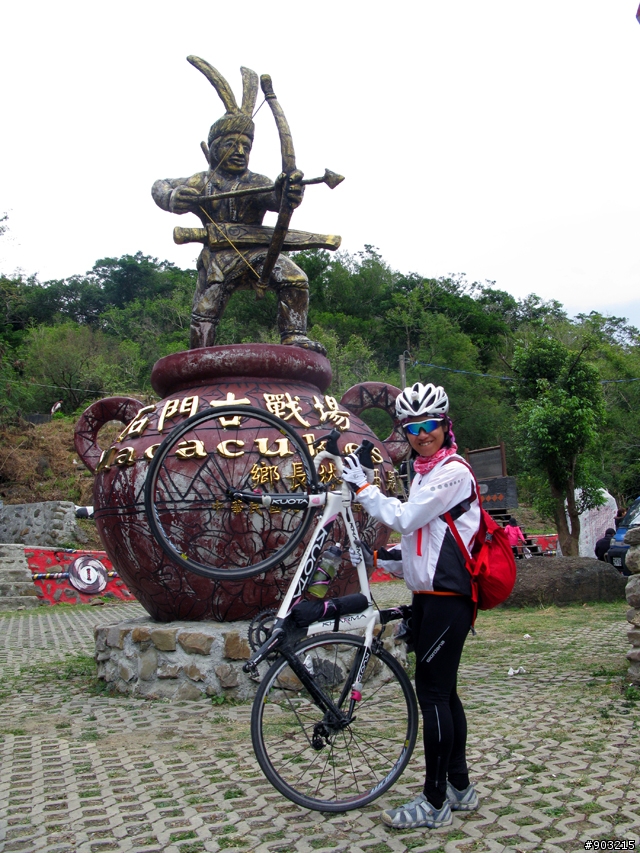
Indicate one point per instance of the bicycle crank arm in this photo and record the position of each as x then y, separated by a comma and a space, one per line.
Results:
276, 638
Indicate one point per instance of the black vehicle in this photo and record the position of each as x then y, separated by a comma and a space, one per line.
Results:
618, 549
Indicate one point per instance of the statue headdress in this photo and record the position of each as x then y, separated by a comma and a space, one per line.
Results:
236, 119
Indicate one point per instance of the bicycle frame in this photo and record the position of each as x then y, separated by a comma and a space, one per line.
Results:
335, 503
334, 725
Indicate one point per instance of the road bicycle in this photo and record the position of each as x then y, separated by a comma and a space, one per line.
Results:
335, 718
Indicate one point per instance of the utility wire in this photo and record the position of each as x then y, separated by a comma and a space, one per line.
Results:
504, 378
468, 372
65, 388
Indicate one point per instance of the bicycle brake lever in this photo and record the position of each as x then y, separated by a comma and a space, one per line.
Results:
331, 442
364, 454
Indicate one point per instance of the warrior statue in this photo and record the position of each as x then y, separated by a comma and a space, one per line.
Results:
240, 253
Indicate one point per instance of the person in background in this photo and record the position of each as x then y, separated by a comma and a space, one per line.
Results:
515, 536
619, 516
602, 545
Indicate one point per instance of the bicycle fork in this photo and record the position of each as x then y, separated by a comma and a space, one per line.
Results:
335, 719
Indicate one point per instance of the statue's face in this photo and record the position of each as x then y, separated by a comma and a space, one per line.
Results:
231, 153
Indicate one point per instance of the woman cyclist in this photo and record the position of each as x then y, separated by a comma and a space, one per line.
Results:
434, 570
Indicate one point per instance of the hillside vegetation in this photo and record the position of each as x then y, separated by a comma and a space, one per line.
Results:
562, 393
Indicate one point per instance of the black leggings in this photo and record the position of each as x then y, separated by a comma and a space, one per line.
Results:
440, 625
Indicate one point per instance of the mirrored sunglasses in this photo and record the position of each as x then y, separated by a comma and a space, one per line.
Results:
427, 426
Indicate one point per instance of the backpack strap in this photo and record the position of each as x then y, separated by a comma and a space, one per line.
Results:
449, 519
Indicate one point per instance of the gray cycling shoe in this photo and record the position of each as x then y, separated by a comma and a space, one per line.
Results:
418, 812
462, 801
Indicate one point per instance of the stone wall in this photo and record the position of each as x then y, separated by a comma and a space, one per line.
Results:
49, 524
632, 562
183, 660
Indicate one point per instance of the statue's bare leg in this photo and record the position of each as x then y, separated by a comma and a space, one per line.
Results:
209, 302
292, 288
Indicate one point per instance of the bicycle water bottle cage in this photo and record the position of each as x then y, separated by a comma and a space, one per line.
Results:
364, 454
331, 440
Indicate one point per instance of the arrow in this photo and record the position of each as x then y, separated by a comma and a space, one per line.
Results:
331, 179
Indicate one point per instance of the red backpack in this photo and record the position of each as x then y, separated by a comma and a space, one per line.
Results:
491, 563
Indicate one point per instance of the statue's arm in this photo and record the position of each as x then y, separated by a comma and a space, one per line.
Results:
176, 194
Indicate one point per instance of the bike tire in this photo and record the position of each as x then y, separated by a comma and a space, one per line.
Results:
356, 765
192, 517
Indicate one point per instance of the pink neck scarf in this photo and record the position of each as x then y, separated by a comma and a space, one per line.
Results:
424, 464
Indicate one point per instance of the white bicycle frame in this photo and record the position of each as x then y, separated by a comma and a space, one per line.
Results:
335, 503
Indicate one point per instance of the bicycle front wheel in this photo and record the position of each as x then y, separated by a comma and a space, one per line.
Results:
190, 511
324, 767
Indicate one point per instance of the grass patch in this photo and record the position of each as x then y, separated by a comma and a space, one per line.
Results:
233, 793
631, 693
510, 622
182, 836
224, 842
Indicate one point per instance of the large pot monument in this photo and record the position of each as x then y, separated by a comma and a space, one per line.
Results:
289, 381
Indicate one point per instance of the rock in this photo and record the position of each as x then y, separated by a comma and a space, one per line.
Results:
164, 639
156, 690
147, 665
634, 655
632, 591
141, 634
634, 673
632, 560
100, 634
633, 636
169, 670
115, 636
632, 536
42, 466
565, 580
125, 671
195, 642
227, 675
235, 646
187, 690
633, 616
194, 672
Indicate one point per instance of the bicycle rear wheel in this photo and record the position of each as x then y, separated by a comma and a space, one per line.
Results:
345, 769
193, 518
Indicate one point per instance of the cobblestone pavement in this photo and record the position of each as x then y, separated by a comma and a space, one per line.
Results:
554, 751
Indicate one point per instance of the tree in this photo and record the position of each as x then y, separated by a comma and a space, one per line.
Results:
77, 364
559, 409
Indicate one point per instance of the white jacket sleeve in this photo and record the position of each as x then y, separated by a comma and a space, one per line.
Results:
447, 485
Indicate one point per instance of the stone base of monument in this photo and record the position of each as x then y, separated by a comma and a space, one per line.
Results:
185, 660
180, 660
632, 592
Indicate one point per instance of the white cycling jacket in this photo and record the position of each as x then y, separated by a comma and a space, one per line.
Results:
430, 557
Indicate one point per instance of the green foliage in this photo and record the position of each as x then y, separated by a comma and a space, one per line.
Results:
77, 364
559, 409
101, 332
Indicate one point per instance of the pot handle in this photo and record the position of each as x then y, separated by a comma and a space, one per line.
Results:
123, 409
379, 395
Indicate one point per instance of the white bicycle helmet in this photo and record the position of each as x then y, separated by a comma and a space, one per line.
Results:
430, 400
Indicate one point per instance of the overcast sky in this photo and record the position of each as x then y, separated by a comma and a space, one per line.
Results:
499, 139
